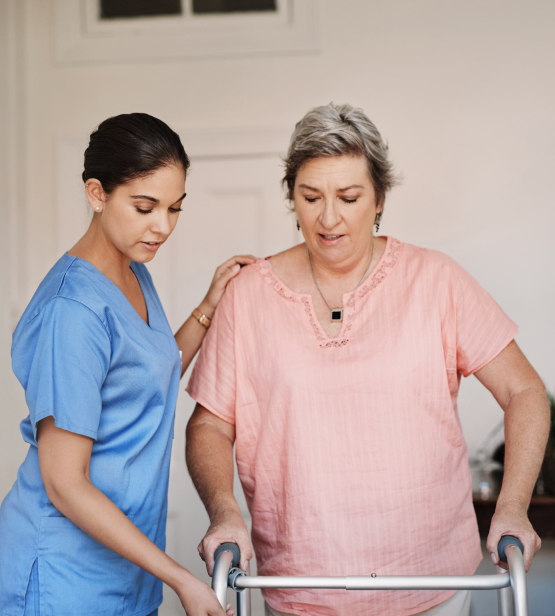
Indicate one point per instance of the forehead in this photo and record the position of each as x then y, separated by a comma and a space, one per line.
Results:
343, 170
162, 181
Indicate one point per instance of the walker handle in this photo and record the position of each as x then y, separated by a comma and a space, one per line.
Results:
229, 547
504, 542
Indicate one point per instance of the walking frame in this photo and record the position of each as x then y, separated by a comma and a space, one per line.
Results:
511, 586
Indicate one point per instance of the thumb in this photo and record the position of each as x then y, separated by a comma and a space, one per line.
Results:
230, 272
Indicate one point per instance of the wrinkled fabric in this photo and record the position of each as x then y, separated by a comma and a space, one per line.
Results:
457, 605
85, 357
350, 450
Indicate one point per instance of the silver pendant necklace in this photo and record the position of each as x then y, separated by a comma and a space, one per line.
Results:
337, 313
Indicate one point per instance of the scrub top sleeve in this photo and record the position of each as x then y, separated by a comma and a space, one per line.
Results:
213, 380
68, 368
483, 330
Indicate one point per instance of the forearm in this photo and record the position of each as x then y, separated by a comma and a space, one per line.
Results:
190, 335
91, 510
209, 456
527, 418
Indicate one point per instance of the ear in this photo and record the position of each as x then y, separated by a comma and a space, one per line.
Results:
95, 195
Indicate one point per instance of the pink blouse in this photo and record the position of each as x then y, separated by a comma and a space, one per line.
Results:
350, 450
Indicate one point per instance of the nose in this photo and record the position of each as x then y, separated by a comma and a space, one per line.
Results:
161, 224
330, 217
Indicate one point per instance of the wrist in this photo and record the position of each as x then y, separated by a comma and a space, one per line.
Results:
179, 578
206, 308
514, 504
224, 507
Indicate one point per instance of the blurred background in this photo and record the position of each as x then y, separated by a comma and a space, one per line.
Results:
463, 92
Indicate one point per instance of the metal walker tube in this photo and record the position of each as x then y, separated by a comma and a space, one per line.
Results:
220, 574
511, 586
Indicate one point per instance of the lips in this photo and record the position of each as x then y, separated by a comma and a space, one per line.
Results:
330, 240
152, 246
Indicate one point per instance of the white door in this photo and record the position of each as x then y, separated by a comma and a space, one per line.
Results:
233, 206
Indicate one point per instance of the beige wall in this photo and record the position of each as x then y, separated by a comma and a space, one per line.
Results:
12, 246
463, 92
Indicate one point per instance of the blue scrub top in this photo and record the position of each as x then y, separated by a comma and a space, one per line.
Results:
85, 357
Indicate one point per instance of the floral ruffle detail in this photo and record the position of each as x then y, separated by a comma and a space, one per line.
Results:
269, 277
389, 262
393, 251
309, 314
264, 270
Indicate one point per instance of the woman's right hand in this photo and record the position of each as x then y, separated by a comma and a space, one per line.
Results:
198, 599
226, 525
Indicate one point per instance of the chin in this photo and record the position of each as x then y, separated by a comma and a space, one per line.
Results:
144, 259
138, 256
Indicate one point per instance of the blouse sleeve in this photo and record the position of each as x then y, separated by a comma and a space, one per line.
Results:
68, 368
483, 330
213, 380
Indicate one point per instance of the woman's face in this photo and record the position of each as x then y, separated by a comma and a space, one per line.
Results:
138, 217
335, 203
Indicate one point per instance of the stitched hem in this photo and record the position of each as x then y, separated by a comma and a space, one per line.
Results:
209, 407
64, 425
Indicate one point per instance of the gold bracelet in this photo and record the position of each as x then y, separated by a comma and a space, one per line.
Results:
201, 318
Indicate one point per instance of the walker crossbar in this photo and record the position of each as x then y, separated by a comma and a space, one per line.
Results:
511, 586
386, 582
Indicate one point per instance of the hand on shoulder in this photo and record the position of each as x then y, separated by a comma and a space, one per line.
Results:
224, 273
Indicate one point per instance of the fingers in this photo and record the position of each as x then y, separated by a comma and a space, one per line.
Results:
517, 528
209, 546
237, 260
246, 554
227, 274
492, 544
234, 531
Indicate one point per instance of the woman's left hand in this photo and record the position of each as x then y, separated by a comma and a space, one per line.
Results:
512, 520
223, 275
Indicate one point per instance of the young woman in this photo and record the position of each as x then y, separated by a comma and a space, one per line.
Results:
83, 528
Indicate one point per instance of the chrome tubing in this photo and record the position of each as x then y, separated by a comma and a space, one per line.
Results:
504, 599
386, 582
511, 586
517, 572
222, 565
243, 598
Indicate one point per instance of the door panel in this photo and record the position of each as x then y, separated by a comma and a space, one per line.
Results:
233, 206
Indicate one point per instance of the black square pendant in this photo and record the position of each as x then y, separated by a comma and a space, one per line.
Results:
337, 314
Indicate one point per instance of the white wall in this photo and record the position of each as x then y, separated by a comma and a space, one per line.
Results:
463, 92
12, 244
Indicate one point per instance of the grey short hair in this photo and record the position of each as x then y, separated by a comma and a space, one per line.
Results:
336, 130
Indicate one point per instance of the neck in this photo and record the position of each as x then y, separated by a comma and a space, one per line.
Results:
98, 250
353, 266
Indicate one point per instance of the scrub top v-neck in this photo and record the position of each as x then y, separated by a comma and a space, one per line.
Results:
85, 357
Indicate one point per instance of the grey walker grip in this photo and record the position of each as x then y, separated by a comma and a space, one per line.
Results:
229, 547
504, 542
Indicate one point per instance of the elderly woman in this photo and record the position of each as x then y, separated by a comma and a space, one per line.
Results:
334, 367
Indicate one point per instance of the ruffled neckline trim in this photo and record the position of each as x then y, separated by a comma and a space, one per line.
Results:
383, 268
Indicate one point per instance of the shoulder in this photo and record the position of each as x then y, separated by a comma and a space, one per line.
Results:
249, 278
291, 257
429, 260
66, 291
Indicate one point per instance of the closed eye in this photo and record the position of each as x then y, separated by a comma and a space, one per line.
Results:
350, 200
311, 199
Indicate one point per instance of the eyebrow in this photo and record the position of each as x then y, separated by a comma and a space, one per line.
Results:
154, 200
338, 190
349, 187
